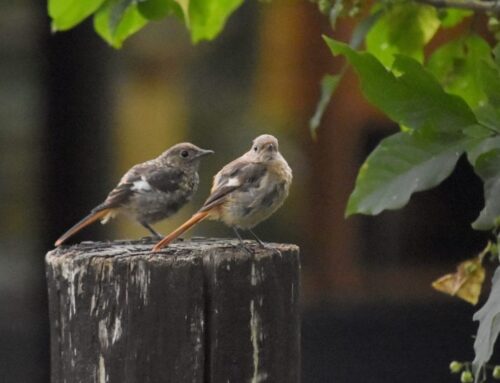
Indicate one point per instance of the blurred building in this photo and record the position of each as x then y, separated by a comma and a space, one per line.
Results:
76, 114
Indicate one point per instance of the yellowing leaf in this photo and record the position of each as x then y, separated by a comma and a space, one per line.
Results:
466, 283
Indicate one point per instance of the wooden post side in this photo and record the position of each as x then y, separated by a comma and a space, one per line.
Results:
253, 317
120, 314
201, 311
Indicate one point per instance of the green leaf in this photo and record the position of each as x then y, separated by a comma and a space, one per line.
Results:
184, 5
443, 60
159, 9
404, 28
459, 66
476, 149
65, 14
117, 12
489, 75
489, 116
488, 113
423, 155
362, 29
452, 17
114, 24
496, 53
208, 17
328, 84
401, 165
489, 326
413, 99
477, 131
487, 166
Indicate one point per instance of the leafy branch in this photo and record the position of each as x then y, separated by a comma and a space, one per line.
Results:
117, 20
448, 105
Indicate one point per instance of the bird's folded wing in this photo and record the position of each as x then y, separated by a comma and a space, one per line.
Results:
238, 175
165, 179
142, 180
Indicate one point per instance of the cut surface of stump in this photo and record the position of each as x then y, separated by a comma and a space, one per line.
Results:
203, 310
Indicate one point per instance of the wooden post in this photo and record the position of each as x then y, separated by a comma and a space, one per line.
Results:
201, 311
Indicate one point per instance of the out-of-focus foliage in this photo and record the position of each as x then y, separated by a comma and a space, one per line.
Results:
329, 82
328, 85
116, 20
404, 28
451, 17
459, 64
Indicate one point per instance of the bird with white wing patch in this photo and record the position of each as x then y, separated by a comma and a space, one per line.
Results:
150, 191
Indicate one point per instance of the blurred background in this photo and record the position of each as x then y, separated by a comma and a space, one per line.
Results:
75, 114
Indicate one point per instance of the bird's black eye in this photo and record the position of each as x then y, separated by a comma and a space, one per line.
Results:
184, 153
255, 148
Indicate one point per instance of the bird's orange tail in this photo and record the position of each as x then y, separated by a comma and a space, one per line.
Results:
181, 229
91, 218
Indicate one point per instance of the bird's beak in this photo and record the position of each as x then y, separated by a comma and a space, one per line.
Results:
203, 152
271, 147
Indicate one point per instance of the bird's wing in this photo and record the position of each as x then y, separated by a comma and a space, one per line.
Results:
116, 197
237, 175
142, 179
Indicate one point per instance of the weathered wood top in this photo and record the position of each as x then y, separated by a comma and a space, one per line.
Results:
183, 249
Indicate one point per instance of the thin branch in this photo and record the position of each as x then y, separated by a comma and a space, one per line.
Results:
473, 5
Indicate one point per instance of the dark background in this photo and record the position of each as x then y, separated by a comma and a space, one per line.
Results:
75, 114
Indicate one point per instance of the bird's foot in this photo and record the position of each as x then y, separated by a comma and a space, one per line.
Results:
246, 248
262, 245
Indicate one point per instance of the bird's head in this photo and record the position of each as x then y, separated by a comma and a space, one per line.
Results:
264, 148
184, 155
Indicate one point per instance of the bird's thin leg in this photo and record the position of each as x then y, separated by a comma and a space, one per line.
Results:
239, 236
242, 244
152, 231
262, 244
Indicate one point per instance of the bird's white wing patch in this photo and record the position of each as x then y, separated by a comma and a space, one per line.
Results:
141, 185
233, 182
